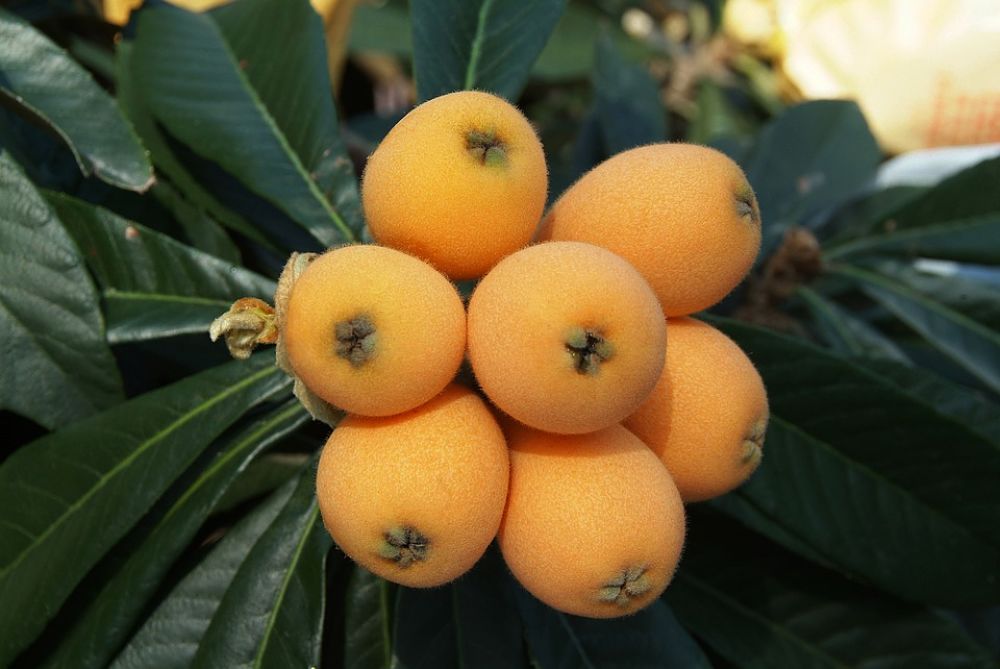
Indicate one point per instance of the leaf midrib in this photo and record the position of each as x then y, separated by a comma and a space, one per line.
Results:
127, 461
476, 49
310, 526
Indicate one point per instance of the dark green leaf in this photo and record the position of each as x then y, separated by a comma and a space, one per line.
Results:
649, 639
153, 285
291, 76
569, 52
424, 636
192, 80
199, 227
869, 214
813, 156
57, 366
486, 45
50, 85
367, 619
263, 476
112, 613
768, 609
970, 344
969, 194
488, 627
846, 333
715, 117
166, 161
170, 636
627, 100
974, 240
68, 497
855, 475
962, 288
272, 612
384, 27
964, 404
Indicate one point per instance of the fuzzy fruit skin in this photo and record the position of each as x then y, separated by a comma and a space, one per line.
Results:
425, 193
442, 469
519, 318
419, 321
674, 212
585, 508
705, 407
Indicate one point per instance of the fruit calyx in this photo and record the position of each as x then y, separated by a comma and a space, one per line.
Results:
486, 148
753, 445
356, 339
404, 545
588, 349
745, 206
626, 586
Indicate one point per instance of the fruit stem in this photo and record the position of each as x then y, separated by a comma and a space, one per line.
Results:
248, 322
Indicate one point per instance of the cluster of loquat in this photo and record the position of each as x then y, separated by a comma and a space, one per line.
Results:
607, 407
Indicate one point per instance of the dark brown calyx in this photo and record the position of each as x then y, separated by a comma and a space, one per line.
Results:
486, 148
356, 339
588, 349
404, 545
626, 586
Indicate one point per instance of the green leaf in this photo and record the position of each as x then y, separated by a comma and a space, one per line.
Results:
192, 80
103, 626
855, 476
569, 53
964, 404
45, 81
272, 612
650, 638
488, 635
263, 476
68, 497
767, 608
57, 366
955, 285
486, 45
869, 214
715, 117
367, 621
974, 240
292, 78
627, 100
969, 194
811, 157
970, 344
200, 229
166, 161
846, 333
153, 285
424, 636
170, 636
452, 627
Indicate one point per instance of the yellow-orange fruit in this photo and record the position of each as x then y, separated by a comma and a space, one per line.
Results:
707, 415
593, 525
372, 330
683, 214
565, 337
460, 181
416, 498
